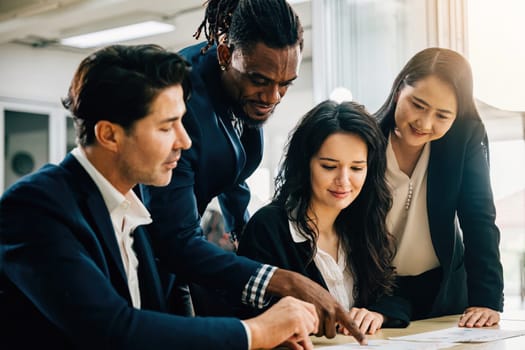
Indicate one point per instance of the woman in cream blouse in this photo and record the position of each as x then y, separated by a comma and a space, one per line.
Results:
443, 214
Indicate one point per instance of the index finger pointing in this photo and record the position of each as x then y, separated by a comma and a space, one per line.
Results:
344, 319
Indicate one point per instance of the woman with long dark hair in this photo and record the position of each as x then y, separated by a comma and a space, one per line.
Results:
443, 212
327, 218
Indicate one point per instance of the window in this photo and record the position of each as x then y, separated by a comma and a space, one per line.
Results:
26, 141
497, 56
32, 135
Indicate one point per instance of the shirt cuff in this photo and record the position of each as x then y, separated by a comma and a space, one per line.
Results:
248, 334
255, 290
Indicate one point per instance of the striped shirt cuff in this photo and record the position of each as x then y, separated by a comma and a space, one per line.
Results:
255, 290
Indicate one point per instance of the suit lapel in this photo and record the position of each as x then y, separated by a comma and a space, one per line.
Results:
151, 294
98, 217
235, 142
435, 187
211, 77
253, 142
443, 186
104, 230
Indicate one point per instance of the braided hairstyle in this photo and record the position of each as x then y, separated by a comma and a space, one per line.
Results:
243, 23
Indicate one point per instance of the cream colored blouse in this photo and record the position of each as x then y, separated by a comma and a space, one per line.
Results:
408, 218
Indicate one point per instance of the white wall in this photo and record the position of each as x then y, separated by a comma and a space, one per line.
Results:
34, 74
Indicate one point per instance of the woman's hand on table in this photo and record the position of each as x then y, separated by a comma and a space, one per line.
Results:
367, 321
476, 316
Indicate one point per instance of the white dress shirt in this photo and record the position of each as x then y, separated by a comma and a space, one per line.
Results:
337, 276
127, 213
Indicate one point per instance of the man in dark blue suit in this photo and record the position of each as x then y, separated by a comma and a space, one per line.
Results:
78, 271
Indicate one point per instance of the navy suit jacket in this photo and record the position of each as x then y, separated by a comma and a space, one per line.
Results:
216, 165
461, 217
63, 284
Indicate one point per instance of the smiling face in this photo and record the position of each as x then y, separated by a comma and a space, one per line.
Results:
338, 172
257, 79
150, 150
424, 111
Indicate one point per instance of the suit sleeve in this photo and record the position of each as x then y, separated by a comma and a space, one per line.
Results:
52, 256
178, 241
481, 237
259, 241
176, 234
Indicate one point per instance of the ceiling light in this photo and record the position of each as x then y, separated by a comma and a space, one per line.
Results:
118, 34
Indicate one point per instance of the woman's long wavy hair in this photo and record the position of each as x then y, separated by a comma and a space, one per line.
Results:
361, 226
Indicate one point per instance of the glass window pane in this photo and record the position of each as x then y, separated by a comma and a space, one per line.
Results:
71, 136
507, 175
502, 111
26, 144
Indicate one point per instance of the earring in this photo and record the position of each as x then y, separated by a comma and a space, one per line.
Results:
223, 67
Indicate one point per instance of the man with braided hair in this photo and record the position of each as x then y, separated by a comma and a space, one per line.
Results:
250, 58
239, 75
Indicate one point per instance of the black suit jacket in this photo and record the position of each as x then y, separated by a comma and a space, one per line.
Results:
63, 285
267, 239
461, 217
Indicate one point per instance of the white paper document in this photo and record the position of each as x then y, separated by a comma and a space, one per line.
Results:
462, 335
380, 344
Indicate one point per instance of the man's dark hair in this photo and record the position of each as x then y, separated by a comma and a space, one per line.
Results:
119, 83
248, 22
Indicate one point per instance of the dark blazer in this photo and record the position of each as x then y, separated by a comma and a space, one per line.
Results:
267, 239
218, 162
461, 217
63, 284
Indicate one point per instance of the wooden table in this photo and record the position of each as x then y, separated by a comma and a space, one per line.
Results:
510, 321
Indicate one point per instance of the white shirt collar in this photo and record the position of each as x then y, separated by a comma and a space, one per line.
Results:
393, 166
112, 197
297, 236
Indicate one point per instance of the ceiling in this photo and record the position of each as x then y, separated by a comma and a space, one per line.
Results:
40, 23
